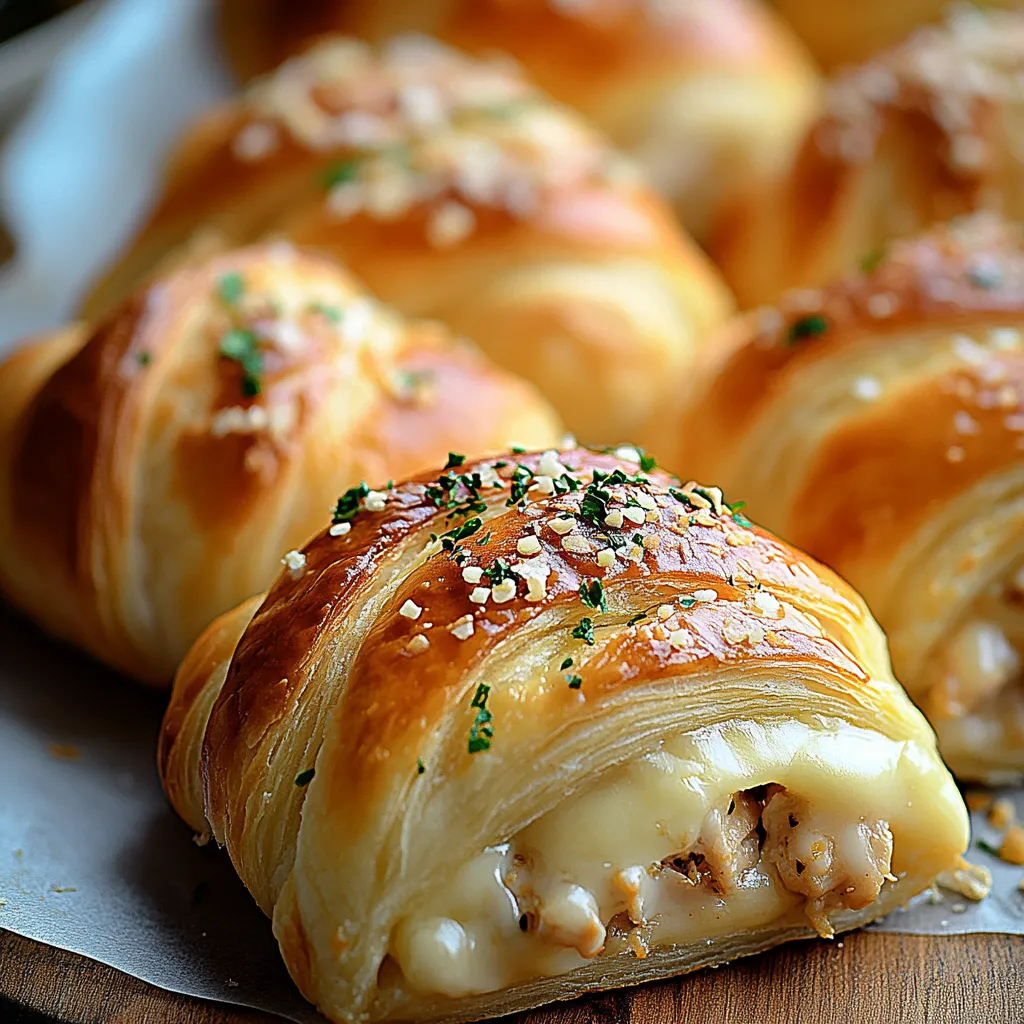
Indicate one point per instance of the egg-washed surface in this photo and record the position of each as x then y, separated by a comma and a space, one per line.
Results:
105, 869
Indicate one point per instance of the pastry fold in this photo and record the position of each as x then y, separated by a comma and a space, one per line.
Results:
710, 96
548, 724
154, 468
918, 134
878, 423
456, 191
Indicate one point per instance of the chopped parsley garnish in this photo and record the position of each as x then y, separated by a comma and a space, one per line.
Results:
522, 477
637, 618
143, 358
230, 288
304, 778
585, 631
647, 462
687, 602
592, 594
349, 503
498, 572
517, 449
575, 682
485, 540
481, 732
450, 540
340, 173
594, 506
565, 664
870, 263
331, 312
681, 497
565, 483
741, 520
420, 766
638, 538
240, 347
807, 327
454, 460
987, 847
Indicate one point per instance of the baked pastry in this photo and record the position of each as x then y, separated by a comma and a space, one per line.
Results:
711, 96
879, 424
457, 191
154, 470
922, 133
839, 32
548, 724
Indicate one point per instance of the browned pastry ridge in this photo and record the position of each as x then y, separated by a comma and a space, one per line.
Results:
711, 96
840, 32
918, 135
154, 470
456, 191
550, 723
878, 423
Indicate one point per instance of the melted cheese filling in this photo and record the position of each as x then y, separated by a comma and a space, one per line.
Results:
976, 700
661, 851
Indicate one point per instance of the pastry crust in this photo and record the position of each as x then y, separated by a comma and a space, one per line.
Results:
473, 681
879, 424
917, 135
711, 96
456, 191
145, 488
839, 32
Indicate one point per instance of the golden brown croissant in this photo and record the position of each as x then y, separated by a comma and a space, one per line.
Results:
923, 133
549, 724
153, 472
879, 424
457, 191
711, 96
845, 32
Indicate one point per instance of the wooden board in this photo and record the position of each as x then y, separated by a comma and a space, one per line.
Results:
862, 979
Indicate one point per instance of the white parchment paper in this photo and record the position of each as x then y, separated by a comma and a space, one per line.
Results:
91, 858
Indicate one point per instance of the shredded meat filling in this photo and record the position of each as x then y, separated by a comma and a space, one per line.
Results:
830, 870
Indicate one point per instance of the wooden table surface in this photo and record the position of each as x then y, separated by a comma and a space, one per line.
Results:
865, 978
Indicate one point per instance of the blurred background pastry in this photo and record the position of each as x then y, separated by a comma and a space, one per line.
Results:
155, 468
711, 96
921, 133
878, 423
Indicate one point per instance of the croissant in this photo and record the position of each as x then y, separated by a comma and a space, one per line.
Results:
153, 470
879, 424
919, 135
457, 191
546, 724
839, 32
711, 96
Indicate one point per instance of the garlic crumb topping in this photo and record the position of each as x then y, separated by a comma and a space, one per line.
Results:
295, 563
410, 609
462, 629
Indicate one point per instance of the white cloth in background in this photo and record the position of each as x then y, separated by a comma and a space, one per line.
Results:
80, 169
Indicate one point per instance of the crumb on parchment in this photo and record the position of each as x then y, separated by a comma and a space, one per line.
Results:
969, 880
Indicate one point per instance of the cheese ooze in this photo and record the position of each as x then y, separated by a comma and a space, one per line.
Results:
594, 876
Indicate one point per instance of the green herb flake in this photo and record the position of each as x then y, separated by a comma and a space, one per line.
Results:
647, 462
340, 173
741, 520
230, 288
454, 460
872, 261
986, 847
575, 682
565, 664
420, 766
143, 358
349, 504
332, 313
517, 449
585, 631
304, 778
481, 732
637, 618
807, 327
592, 594
687, 602
240, 346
